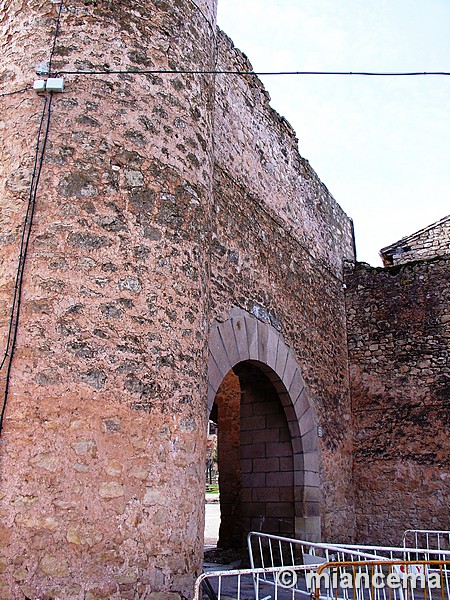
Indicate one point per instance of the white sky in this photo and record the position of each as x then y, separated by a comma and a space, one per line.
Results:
380, 145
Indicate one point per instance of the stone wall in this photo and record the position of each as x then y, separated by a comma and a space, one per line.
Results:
429, 242
398, 339
164, 201
106, 407
267, 462
278, 243
258, 150
228, 403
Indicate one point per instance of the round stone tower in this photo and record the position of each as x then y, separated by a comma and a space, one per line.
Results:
105, 193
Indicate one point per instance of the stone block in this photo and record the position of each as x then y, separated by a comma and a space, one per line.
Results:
227, 334
273, 339
263, 337
290, 371
279, 479
266, 465
252, 337
240, 333
307, 422
219, 352
282, 356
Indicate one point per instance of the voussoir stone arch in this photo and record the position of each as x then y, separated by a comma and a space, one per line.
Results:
244, 338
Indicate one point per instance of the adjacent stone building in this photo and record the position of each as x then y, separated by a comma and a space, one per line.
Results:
399, 342
429, 242
167, 252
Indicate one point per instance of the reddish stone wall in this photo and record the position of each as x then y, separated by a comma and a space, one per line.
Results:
228, 401
145, 233
267, 464
398, 323
278, 242
258, 150
106, 408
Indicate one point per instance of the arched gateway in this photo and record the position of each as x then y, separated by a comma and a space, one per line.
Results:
278, 448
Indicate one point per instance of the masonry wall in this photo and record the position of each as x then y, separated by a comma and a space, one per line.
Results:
103, 445
258, 149
427, 243
163, 202
278, 241
228, 402
399, 330
267, 464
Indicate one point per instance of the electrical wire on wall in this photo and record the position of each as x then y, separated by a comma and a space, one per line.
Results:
15, 92
41, 143
55, 36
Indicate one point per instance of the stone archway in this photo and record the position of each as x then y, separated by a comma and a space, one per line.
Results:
244, 339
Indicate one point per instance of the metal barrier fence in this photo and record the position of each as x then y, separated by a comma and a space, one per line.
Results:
351, 580
401, 552
277, 583
266, 550
426, 538
282, 568
382, 580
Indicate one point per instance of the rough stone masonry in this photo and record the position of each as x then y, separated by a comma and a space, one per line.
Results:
398, 338
178, 235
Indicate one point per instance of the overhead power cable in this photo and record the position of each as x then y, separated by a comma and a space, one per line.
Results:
254, 73
230, 72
